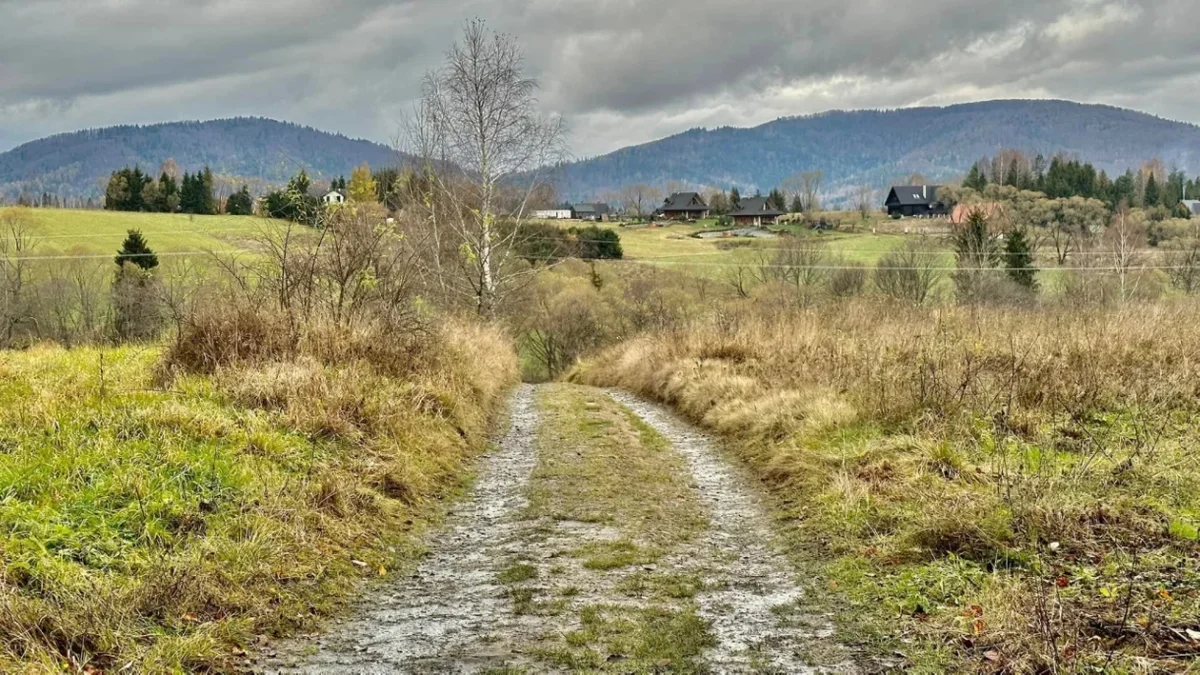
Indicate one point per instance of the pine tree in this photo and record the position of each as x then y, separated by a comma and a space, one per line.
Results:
1018, 253
135, 250
240, 203
975, 179
1152, 196
797, 205
735, 198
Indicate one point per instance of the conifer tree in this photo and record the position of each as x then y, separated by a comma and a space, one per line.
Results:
135, 250
1018, 258
1152, 196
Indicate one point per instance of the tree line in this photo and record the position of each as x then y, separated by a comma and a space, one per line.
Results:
131, 189
1152, 186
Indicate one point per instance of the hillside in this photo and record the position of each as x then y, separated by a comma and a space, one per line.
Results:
76, 164
877, 147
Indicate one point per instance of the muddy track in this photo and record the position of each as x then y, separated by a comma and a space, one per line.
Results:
458, 614
753, 601
450, 616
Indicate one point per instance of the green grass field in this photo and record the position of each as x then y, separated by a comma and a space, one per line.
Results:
68, 231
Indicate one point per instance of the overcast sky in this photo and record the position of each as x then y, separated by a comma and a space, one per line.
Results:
621, 71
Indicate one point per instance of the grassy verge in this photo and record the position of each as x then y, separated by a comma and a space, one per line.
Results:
162, 529
988, 489
611, 500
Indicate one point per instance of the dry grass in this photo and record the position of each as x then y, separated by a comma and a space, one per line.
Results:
1018, 487
166, 524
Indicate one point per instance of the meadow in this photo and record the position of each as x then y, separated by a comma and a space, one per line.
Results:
83, 232
987, 489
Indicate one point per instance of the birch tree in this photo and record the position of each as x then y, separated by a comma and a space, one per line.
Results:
485, 149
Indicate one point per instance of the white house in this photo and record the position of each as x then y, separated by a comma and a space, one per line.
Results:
334, 197
554, 214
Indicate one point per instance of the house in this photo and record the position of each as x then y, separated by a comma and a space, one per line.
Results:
597, 212
334, 197
1192, 205
754, 212
915, 201
684, 206
554, 214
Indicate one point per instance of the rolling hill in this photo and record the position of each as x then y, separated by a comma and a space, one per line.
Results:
77, 164
878, 147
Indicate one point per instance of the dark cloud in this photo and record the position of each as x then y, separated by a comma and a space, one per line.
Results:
623, 71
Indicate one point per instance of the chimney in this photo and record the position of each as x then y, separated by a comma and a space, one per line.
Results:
924, 192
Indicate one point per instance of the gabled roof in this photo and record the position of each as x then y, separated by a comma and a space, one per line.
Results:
755, 206
333, 192
914, 195
685, 201
598, 209
1193, 205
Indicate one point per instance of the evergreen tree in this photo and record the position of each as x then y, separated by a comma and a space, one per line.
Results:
976, 180
1152, 196
1018, 257
735, 198
797, 205
240, 203
168, 194
135, 250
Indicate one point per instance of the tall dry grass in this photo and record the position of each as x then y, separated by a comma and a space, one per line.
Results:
159, 513
1019, 487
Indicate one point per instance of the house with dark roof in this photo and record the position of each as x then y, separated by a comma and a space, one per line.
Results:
597, 212
754, 212
915, 201
684, 206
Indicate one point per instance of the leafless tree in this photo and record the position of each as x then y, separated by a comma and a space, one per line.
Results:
478, 133
909, 273
1124, 240
807, 187
640, 199
864, 200
16, 275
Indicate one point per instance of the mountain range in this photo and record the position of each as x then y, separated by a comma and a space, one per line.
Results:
883, 147
851, 148
259, 150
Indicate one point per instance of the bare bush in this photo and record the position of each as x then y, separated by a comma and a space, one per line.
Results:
910, 272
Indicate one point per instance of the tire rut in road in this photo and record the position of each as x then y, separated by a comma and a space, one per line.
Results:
451, 616
755, 606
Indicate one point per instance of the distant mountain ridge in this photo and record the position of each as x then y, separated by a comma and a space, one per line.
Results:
879, 147
77, 164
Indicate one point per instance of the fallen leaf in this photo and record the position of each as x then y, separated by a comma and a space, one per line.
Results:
359, 563
991, 655
1193, 634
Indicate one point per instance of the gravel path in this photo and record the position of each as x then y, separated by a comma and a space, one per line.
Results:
451, 616
752, 598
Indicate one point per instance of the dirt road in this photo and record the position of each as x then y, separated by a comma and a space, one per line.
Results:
603, 535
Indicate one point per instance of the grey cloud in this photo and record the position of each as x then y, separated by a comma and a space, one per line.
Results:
623, 71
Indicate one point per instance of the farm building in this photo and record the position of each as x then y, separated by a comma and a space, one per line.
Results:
1192, 205
754, 212
554, 214
597, 212
334, 197
915, 201
684, 206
